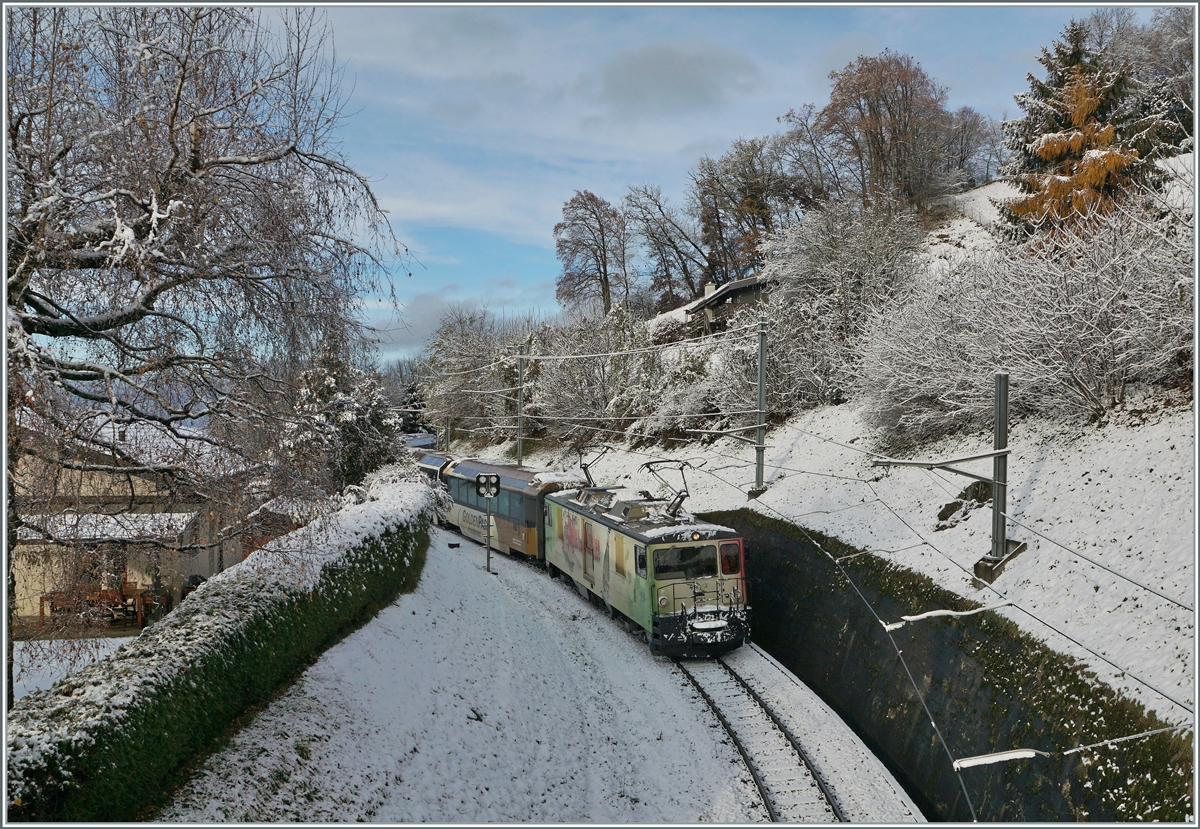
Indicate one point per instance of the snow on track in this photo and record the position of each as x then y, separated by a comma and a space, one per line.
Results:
783, 777
480, 698
865, 790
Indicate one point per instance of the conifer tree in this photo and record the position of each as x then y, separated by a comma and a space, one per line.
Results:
1073, 152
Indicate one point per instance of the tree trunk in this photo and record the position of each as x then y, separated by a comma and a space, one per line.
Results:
10, 542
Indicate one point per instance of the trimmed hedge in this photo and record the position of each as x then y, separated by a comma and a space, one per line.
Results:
104, 742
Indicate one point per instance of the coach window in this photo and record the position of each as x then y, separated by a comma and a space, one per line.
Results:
455, 490
730, 561
639, 554
500, 507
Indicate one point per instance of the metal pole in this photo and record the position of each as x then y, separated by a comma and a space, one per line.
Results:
488, 534
446, 435
1000, 472
520, 401
761, 433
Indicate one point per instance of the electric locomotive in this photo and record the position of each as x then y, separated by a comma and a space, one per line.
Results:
681, 581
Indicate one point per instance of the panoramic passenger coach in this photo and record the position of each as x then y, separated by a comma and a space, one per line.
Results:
516, 510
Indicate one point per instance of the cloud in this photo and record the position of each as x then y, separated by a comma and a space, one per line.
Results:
421, 313
665, 79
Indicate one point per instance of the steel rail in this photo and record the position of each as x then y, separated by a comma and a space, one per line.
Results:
822, 783
767, 799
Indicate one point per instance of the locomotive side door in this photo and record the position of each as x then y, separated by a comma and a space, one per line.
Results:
589, 544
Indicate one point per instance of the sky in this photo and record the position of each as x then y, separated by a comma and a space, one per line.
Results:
476, 123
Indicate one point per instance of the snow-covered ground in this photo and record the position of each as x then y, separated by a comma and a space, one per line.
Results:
1120, 493
480, 698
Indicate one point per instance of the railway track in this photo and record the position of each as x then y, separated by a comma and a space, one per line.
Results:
790, 790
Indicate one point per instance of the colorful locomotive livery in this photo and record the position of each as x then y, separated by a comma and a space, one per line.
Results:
680, 581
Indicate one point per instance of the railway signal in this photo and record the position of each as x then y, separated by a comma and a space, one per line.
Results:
487, 487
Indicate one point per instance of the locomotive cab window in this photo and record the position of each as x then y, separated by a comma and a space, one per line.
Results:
691, 562
639, 555
731, 563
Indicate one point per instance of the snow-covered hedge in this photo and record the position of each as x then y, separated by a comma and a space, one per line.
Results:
103, 743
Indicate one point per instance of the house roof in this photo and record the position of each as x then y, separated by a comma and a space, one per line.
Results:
91, 526
721, 294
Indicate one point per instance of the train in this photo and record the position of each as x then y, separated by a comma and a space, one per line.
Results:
680, 582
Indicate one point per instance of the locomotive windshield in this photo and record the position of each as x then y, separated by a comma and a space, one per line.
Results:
694, 562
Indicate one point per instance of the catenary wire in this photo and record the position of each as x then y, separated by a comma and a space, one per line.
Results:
707, 339
1028, 612
994, 589
1091, 561
888, 633
837, 562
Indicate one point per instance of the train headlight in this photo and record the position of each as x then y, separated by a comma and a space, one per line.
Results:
695, 536
662, 601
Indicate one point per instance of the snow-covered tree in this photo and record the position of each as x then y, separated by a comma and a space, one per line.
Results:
597, 386
826, 275
1076, 318
1090, 128
472, 371
343, 427
402, 381
181, 228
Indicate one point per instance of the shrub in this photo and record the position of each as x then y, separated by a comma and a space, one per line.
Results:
102, 743
1074, 317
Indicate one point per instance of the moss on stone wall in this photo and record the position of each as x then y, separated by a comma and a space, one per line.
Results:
989, 685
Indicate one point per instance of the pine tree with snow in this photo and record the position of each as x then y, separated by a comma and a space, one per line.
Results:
1073, 148
343, 426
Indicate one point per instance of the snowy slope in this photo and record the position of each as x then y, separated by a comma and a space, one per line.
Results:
1120, 493
480, 698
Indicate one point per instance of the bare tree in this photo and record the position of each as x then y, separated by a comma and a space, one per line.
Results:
738, 200
888, 116
812, 160
994, 153
594, 246
966, 146
670, 239
182, 229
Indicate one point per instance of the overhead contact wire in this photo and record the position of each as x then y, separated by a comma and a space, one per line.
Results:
899, 654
